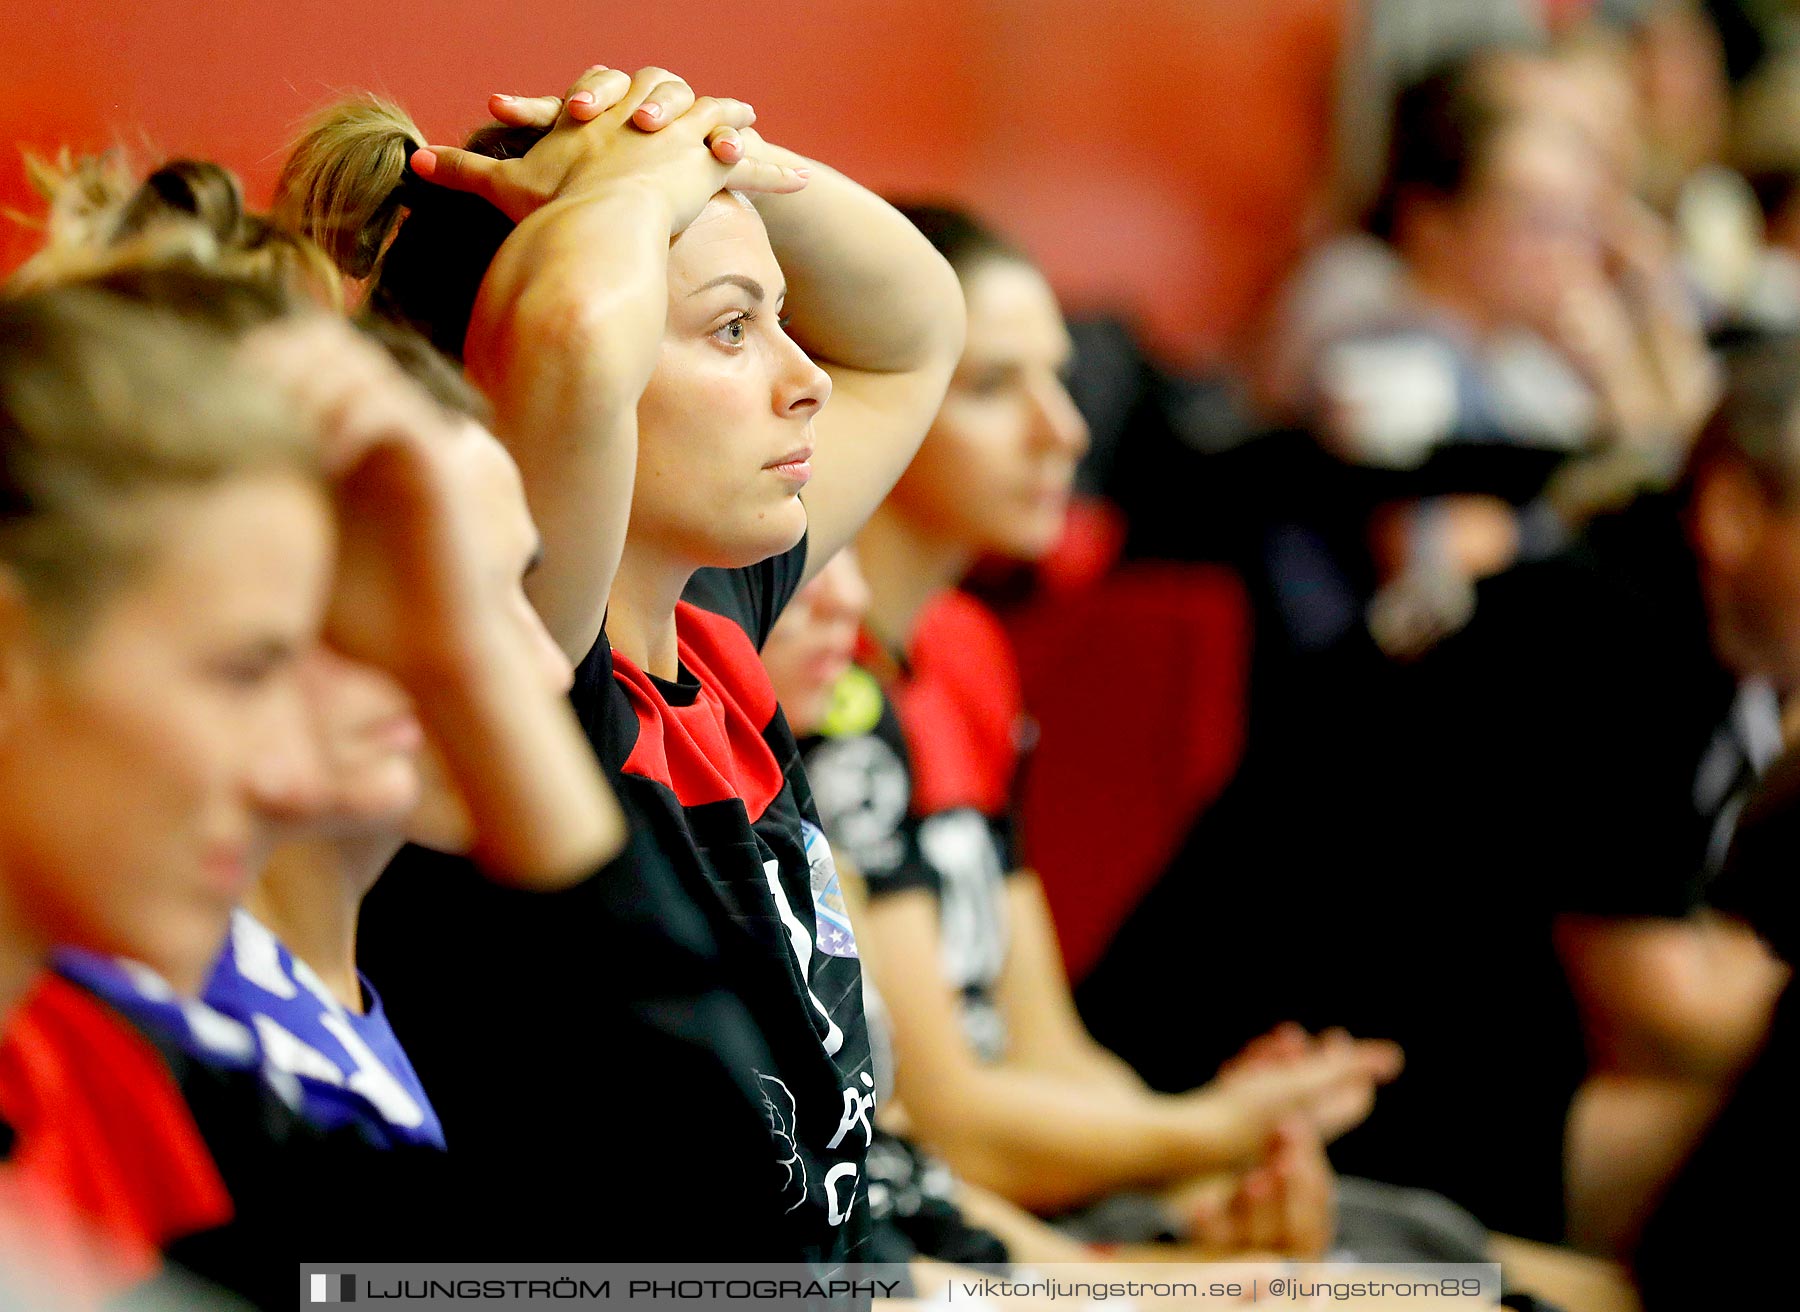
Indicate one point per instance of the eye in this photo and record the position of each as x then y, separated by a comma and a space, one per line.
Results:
245, 671
990, 382
734, 331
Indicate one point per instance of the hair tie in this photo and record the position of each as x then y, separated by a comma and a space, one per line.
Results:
411, 189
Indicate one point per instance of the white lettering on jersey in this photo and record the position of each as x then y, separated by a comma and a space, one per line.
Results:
800, 937
833, 1212
217, 1030
147, 982
857, 1105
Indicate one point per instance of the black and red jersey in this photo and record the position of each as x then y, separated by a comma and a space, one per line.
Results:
134, 1149
914, 772
137, 1153
708, 764
103, 1165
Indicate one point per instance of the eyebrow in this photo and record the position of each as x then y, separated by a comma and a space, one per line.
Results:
749, 286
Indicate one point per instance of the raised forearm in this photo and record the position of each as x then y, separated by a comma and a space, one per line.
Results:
566, 333
865, 289
543, 814
579, 273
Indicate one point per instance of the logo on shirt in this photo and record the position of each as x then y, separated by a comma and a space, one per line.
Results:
783, 1117
856, 703
841, 1180
831, 917
862, 791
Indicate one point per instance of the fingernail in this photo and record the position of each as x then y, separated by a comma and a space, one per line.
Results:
803, 173
502, 96
650, 111
582, 98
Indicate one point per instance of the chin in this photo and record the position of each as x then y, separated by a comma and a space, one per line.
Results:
441, 822
382, 803
779, 533
1029, 545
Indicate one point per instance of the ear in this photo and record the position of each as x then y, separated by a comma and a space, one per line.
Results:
1730, 515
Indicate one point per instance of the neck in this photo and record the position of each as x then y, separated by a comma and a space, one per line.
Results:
906, 567
640, 610
309, 897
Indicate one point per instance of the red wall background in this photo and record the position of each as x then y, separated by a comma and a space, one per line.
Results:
1159, 157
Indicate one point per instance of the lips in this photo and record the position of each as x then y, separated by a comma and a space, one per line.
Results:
228, 867
795, 465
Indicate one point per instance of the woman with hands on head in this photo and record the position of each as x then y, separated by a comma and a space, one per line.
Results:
659, 351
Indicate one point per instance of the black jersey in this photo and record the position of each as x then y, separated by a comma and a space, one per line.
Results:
590, 1039
915, 773
708, 763
862, 775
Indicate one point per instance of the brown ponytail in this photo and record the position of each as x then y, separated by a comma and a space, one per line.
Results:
420, 250
340, 185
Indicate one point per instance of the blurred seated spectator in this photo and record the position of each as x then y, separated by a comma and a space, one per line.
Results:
1721, 1200
1499, 849
1507, 288
1503, 288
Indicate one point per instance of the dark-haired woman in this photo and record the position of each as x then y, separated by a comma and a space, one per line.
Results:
994, 1068
660, 351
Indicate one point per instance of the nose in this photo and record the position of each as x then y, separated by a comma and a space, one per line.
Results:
801, 388
286, 777
1058, 423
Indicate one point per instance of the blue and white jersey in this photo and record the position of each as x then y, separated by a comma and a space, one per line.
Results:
216, 1041
306, 1032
